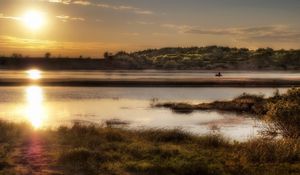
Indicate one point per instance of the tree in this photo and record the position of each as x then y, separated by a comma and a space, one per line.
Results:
47, 55
17, 55
107, 55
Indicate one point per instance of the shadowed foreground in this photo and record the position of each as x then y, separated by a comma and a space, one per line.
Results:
96, 150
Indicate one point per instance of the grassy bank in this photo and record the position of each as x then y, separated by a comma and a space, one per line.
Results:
96, 150
281, 111
246, 103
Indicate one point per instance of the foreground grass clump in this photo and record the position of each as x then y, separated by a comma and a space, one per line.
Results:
94, 150
269, 150
115, 151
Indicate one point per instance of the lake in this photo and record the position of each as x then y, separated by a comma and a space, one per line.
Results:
54, 106
151, 74
49, 107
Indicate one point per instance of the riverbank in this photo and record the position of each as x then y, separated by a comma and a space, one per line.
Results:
281, 111
96, 150
178, 82
245, 103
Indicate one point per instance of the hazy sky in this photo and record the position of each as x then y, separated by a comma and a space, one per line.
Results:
90, 27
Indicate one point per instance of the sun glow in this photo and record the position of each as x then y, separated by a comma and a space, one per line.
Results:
34, 20
34, 74
35, 111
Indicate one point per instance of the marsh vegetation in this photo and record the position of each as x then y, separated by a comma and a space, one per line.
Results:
95, 150
281, 111
100, 150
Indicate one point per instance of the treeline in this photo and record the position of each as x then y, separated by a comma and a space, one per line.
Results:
212, 57
191, 58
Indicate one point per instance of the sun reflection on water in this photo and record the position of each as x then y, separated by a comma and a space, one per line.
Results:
35, 110
34, 74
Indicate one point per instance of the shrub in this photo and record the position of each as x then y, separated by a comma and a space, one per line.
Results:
284, 118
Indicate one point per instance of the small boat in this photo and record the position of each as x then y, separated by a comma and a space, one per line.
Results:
218, 74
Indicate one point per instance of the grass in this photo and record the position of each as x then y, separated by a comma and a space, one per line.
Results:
95, 150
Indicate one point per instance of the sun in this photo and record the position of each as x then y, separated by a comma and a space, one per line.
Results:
34, 74
34, 20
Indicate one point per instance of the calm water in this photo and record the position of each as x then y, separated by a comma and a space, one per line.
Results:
45, 107
53, 106
148, 74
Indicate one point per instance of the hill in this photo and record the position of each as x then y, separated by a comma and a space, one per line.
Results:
191, 58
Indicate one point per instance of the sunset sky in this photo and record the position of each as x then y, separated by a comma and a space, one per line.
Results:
90, 27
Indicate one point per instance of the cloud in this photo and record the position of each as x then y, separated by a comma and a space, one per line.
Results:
132, 34
271, 33
125, 8
2, 16
160, 34
65, 18
132, 9
99, 20
121, 7
143, 12
211, 31
38, 47
178, 28
277, 33
284, 37
59, 1
80, 2
145, 23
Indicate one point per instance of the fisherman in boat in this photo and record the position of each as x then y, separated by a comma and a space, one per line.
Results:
219, 74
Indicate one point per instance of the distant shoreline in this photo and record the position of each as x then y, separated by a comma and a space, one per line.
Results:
169, 58
117, 69
201, 82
